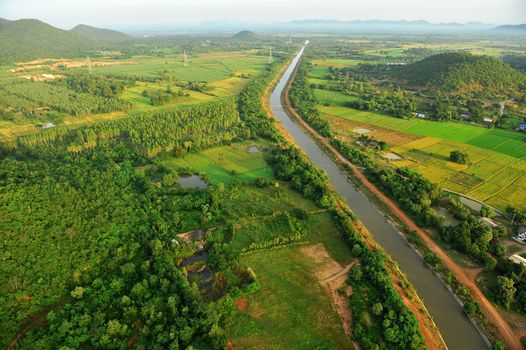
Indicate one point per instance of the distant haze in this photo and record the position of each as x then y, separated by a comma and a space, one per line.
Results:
142, 13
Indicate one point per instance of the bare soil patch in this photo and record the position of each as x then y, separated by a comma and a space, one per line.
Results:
332, 276
242, 304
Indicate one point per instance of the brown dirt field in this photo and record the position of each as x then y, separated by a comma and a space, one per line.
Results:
344, 127
231, 346
332, 276
512, 339
242, 304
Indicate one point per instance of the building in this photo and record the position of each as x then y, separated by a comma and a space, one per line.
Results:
521, 235
488, 120
48, 125
421, 115
521, 127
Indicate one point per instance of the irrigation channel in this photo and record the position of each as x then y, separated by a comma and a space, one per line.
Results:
457, 330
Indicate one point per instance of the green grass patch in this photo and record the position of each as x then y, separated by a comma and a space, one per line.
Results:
291, 311
226, 163
501, 141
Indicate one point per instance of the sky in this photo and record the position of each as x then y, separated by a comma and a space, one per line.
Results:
129, 13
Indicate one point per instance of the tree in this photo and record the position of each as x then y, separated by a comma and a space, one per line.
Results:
505, 291
471, 308
486, 212
459, 157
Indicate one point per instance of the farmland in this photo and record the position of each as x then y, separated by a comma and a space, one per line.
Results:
226, 163
225, 74
303, 308
495, 173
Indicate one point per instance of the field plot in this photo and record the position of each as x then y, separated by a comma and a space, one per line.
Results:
224, 72
292, 311
226, 163
337, 62
204, 67
327, 97
494, 139
490, 176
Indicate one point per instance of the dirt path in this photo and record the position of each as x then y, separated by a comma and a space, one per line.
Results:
36, 320
512, 339
332, 276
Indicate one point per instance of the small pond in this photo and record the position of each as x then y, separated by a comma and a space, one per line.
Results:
192, 181
254, 149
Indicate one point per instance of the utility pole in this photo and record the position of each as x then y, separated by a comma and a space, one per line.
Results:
270, 60
88, 62
185, 59
290, 39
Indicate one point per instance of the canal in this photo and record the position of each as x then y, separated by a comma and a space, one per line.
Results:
456, 329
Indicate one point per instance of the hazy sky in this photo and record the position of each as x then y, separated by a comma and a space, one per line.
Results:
115, 13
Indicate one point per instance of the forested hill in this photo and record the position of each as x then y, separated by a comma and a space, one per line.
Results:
519, 28
27, 39
3, 21
464, 72
245, 35
99, 34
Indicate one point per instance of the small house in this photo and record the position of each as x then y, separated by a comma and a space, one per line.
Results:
521, 235
421, 115
48, 125
521, 127
488, 120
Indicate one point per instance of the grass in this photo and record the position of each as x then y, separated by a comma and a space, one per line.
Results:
208, 67
491, 139
327, 97
220, 69
496, 170
291, 311
337, 62
226, 163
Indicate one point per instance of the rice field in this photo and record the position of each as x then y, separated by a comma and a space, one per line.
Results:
501, 141
496, 173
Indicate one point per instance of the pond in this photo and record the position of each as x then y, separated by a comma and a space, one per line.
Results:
192, 181
254, 149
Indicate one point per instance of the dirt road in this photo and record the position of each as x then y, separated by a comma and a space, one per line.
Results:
512, 339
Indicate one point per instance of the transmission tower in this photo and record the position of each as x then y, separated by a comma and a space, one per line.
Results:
185, 59
88, 63
270, 60
290, 39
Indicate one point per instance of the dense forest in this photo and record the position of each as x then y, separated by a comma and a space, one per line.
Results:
464, 74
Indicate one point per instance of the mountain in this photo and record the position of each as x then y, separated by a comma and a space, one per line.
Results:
463, 74
324, 25
4, 21
245, 35
26, 39
99, 34
514, 29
